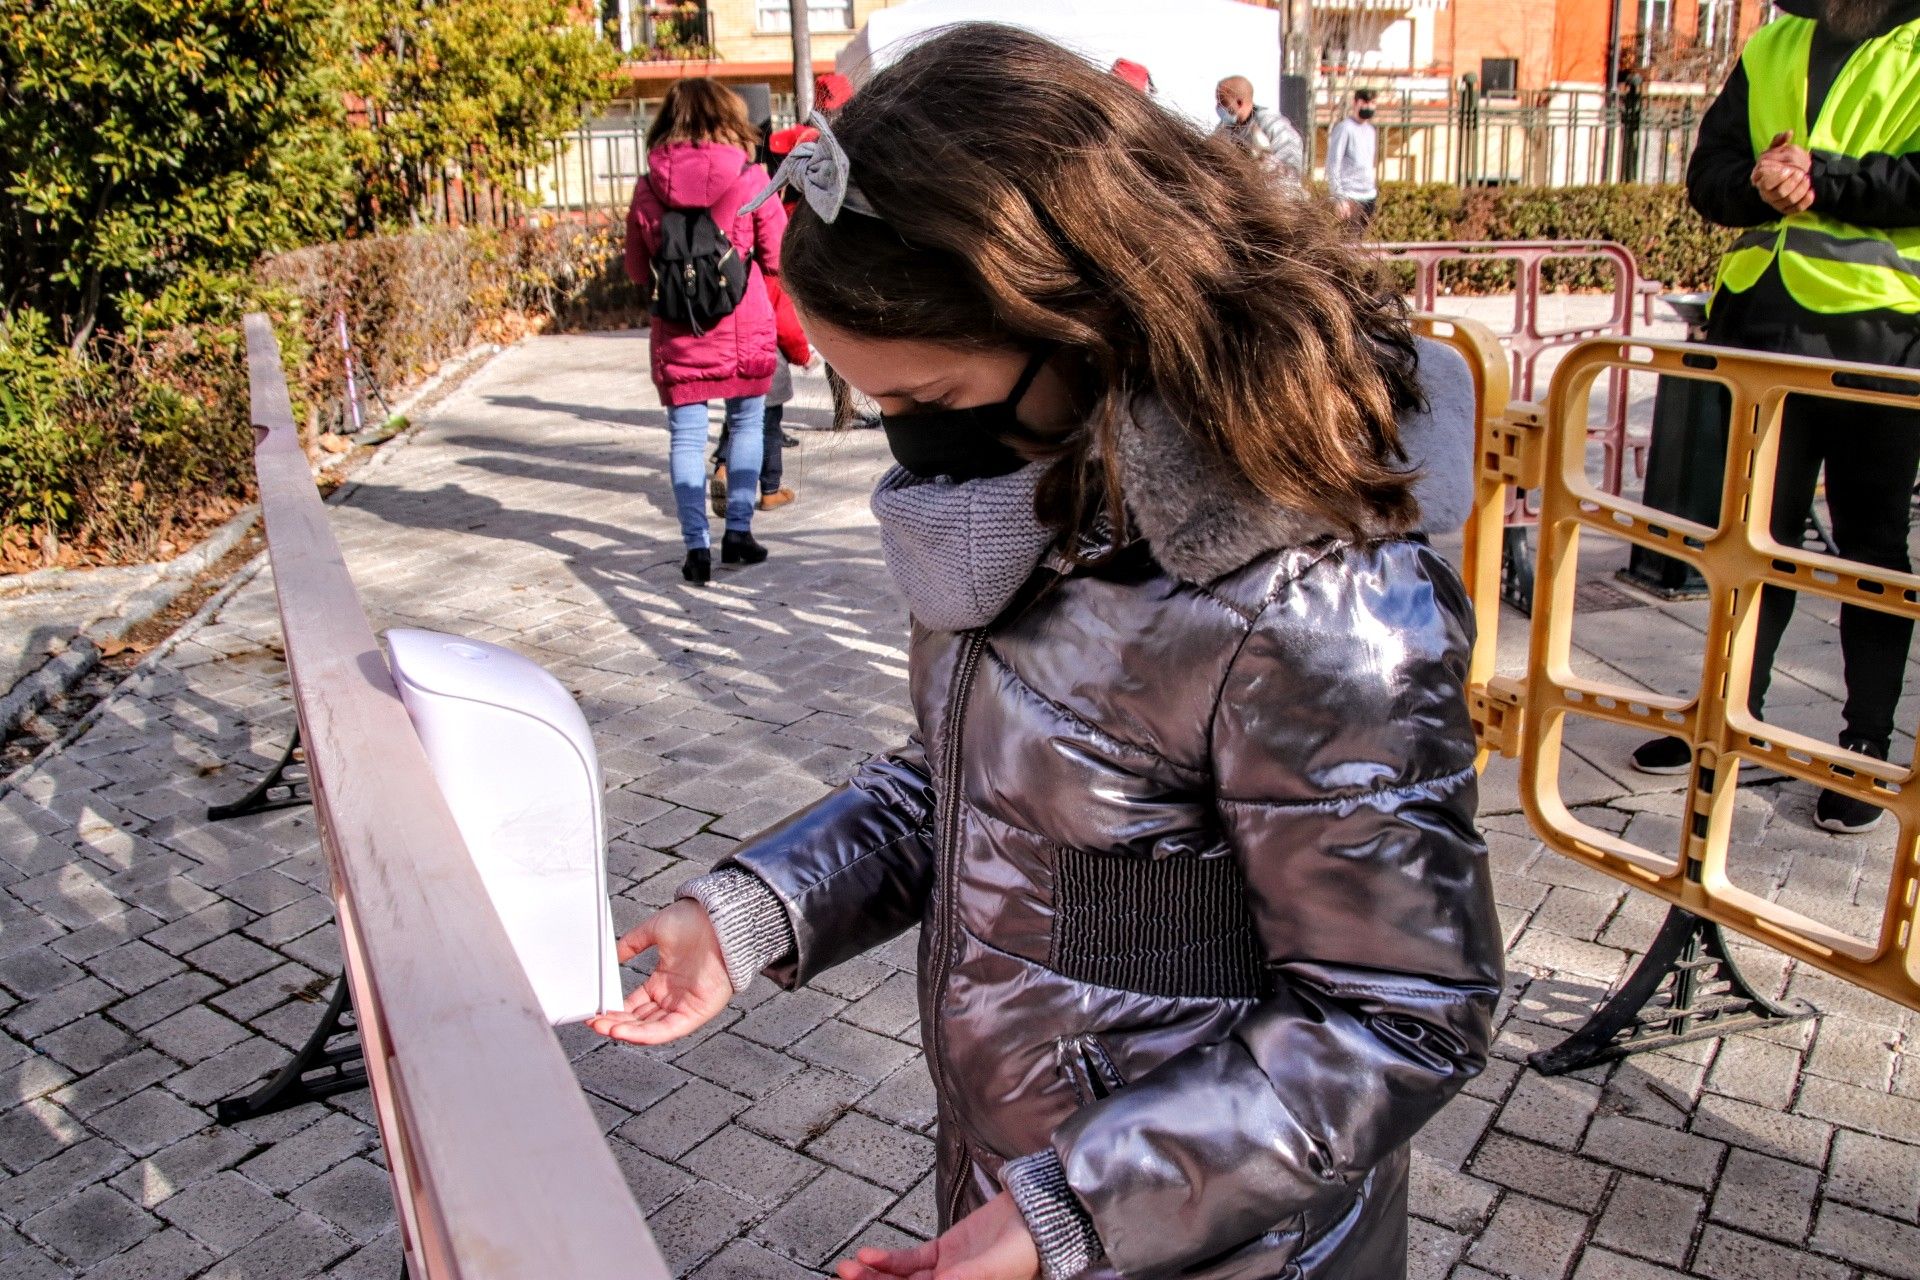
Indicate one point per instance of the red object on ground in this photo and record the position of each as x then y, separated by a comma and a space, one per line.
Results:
1133, 73
832, 91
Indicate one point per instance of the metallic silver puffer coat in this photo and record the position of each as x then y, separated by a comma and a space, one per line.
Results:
1191, 840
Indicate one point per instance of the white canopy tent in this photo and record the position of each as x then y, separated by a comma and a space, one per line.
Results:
1189, 47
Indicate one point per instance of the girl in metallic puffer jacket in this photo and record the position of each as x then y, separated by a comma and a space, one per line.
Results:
1188, 826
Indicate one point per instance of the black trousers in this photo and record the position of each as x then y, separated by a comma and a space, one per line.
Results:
773, 455
1871, 454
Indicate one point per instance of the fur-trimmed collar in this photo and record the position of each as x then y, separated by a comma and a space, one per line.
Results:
1203, 519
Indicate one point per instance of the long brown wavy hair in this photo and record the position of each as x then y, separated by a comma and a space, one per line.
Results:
703, 110
1026, 198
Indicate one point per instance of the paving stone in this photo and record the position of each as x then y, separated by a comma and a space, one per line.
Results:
301, 1246
88, 1044
1448, 1197
54, 1179
1598, 1264
194, 1034
301, 1157
1651, 1219
778, 1023
1741, 1124
166, 1255
858, 1053
134, 966
1765, 1196
163, 1000
1889, 1247
36, 972
224, 1211
1431, 1250
626, 1076
1755, 1071
1874, 1174
698, 1223
814, 1225
739, 1065
686, 1117
1553, 1110
33, 1131
1646, 1148
918, 1214
745, 1260
36, 1017
95, 1224
148, 1121
231, 1072
750, 1164
166, 1173
904, 1098
232, 958
1730, 1255
1451, 1136
356, 1197
1529, 1238
1542, 1171
652, 1182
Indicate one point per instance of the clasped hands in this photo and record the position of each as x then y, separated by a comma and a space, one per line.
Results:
1783, 175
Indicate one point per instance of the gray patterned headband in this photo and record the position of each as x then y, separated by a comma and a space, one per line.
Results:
818, 170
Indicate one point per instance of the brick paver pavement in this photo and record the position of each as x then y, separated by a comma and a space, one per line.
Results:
151, 963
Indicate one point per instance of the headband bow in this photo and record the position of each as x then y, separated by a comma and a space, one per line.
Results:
818, 170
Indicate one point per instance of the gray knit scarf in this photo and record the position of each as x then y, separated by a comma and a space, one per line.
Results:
959, 552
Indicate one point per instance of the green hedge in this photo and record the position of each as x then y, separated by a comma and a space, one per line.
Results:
133, 452
1673, 244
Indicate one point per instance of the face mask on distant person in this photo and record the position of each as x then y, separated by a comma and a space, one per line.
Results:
964, 444
1226, 114
1365, 113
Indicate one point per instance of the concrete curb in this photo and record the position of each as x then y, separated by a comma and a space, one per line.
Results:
59, 673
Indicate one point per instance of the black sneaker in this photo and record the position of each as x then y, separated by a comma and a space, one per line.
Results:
1663, 757
1845, 814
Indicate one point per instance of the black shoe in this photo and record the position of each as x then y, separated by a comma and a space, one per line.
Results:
789, 441
1663, 757
1837, 811
740, 548
699, 567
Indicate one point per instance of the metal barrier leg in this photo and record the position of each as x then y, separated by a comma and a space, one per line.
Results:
319, 1070
1516, 570
1686, 988
284, 787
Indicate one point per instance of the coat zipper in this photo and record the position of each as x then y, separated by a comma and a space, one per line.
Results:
976, 643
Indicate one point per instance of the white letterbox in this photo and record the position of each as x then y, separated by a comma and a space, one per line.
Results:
515, 760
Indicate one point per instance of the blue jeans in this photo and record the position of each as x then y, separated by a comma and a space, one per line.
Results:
746, 416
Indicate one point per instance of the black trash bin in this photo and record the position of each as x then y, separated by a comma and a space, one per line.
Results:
1686, 461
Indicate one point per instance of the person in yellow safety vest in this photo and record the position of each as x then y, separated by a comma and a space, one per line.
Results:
1813, 147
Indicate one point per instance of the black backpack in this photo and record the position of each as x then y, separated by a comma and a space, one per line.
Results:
698, 276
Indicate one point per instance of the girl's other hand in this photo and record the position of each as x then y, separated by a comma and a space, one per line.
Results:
688, 984
991, 1243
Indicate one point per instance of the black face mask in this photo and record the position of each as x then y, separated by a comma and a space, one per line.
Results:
964, 444
1365, 113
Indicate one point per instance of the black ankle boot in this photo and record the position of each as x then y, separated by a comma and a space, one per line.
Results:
699, 567
740, 548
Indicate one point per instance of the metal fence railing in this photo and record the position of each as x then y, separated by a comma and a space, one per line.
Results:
1563, 143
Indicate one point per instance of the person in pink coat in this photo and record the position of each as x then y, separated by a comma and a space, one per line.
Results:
699, 156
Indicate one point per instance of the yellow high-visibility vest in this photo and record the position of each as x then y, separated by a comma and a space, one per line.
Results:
1828, 265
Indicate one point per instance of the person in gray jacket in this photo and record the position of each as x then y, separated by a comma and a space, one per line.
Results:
1261, 130
1206, 928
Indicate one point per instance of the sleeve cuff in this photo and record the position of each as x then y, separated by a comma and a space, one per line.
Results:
1062, 1230
747, 918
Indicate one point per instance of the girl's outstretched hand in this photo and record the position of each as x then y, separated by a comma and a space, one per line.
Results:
688, 985
991, 1243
